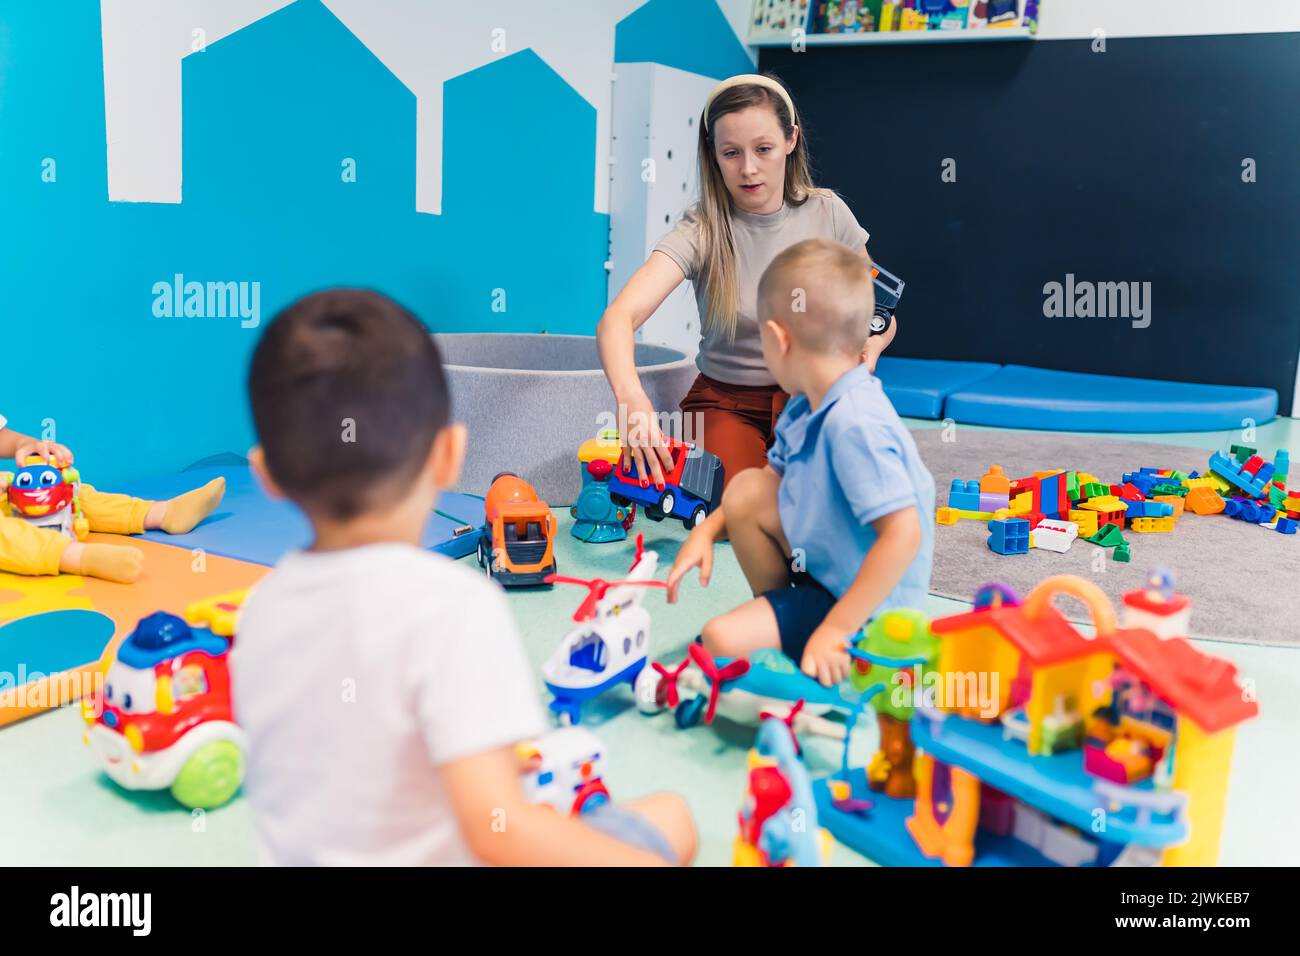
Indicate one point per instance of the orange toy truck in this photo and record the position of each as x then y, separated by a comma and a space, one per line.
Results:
517, 544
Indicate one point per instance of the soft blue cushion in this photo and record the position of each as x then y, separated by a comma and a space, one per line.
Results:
918, 387
1021, 397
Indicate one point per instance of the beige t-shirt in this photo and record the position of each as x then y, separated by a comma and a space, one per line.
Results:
759, 239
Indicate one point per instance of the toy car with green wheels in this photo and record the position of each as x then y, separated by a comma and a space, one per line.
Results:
162, 719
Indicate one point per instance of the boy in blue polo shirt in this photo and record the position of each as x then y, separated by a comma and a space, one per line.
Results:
840, 524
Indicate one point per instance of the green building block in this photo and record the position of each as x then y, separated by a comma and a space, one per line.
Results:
1095, 489
1276, 496
1072, 485
1108, 536
1241, 452
1177, 475
1164, 488
1122, 553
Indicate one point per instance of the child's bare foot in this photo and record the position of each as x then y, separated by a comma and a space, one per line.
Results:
181, 514
112, 562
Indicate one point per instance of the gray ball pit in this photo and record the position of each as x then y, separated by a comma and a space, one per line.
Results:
530, 401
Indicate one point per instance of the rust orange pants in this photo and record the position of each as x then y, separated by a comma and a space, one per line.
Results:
736, 422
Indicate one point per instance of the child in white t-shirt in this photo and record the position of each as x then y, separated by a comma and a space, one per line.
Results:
384, 688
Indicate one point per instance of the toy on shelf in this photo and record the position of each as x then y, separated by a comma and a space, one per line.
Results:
609, 645
163, 717
517, 543
563, 769
46, 497
889, 661
692, 488
1033, 728
778, 821
596, 518
744, 691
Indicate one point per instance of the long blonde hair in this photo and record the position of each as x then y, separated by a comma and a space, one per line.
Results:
717, 242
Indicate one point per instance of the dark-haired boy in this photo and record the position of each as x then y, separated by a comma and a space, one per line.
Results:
383, 687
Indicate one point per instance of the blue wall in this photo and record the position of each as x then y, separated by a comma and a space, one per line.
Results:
269, 114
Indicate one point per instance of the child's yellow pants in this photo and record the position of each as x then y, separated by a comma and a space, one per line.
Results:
28, 550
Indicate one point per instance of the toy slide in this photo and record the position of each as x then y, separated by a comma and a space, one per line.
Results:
1021, 397
52, 628
250, 526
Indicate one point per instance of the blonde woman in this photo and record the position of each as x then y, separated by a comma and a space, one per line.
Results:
757, 198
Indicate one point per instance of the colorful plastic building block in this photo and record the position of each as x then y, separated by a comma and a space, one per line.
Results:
992, 502
1238, 475
1152, 524
1286, 525
953, 515
995, 482
964, 495
1009, 536
1085, 521
1173, 501
1204, 501
1095, 489
1122, 553
1108, 537
1054, 535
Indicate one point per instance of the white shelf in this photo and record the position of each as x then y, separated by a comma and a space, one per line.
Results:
900, 36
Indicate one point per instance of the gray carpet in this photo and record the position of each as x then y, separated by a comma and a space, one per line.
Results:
1241, 578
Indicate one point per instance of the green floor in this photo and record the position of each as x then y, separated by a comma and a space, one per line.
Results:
56, 808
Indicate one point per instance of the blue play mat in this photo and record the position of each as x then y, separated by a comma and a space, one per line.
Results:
918, 387
250, 526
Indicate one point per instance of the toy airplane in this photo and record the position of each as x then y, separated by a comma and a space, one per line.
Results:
610, 643
769, 684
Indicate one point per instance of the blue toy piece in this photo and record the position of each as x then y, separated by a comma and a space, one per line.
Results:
1230, 471
793, 834
596, 518
1286, 525
1148, 509
964, 495
1009, 536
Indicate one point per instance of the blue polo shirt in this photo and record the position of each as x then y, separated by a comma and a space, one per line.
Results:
842, 467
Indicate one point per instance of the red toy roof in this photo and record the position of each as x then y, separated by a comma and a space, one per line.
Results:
1204, 688
1143, 602
1048, 641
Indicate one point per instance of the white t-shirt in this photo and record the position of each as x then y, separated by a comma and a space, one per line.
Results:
356, 674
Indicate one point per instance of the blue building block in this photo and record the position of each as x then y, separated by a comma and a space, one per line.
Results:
1230, 471
964, 495
1009, 536
1286, 525
1265, 473
1148, 509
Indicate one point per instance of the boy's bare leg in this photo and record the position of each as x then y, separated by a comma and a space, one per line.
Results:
671, 817
740, 632
754, 526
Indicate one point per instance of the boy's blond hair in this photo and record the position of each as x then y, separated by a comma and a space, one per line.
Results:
821, 291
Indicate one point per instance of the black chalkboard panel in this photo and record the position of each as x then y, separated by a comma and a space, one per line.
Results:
1117, 167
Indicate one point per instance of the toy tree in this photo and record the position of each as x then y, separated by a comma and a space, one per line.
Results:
889, 663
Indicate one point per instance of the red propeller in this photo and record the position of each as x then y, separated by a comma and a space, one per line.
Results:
596, 588
788, 720
668, 685
717, 675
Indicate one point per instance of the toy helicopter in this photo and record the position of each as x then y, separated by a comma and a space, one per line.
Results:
609, 645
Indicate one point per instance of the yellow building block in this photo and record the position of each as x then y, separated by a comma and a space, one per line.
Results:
1086, 520
1022, 503
1152, 524
1291, 504
1085, 478
1104, 503
1048, 474
1202, 482
953, 515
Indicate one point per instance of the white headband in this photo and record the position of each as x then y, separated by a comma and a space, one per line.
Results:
748, 79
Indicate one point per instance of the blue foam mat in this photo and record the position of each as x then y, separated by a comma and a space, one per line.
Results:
918, 387
1018, 396
52, 642
250, 526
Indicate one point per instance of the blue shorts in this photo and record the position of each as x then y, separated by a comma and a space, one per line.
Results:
628, 826
800, 609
